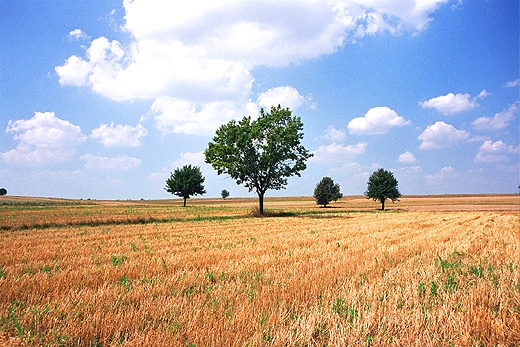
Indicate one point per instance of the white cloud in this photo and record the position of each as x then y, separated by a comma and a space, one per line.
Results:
446, 173
271, 32
499, 121
119, 163
512, 84
190, 158
74, 72
378, 120
336, 152
201, 53
407, 157
494, 152
284, 96
334, 135
42, 139
78, 34
174, 115
441, 135
453, 103
119, 135
483, 94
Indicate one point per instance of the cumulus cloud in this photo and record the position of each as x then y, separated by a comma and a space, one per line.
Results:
264, 33
378, 120
285, 96
187, 158
499, 121
445, 173
42, 139
118, 163
74, 72
441, 135
173, 115
336, 152
494, 152
119, 135
407, 157
453, 103
334, 135
201, 53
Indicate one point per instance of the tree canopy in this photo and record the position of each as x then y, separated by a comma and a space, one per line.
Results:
185, 182
224, 194
262, 153
382, 185
326, 191
3, 191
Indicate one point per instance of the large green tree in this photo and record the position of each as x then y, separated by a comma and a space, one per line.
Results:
260, 153
185, 182
326, 191
382, 185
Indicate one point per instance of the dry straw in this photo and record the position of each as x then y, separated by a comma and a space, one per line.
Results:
399, 278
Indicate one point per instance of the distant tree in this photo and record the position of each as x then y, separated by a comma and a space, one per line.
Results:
260, 153
326, 191
382, 185
224, 194
185, 182
3, 191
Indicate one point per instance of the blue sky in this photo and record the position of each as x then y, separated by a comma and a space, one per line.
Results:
103, 99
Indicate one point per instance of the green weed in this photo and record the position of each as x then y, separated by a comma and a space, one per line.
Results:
126, 282
115, 260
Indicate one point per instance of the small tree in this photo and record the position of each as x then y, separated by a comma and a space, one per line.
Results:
326, 191
224, 194
3, 191
260, 153
185, 182
382, 185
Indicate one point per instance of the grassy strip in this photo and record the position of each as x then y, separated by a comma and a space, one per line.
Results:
326, 213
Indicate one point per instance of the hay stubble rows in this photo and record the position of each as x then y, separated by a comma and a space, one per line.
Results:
212, 275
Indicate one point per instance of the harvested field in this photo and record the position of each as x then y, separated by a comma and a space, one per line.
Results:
154, 273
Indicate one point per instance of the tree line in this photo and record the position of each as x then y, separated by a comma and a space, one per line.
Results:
262, 154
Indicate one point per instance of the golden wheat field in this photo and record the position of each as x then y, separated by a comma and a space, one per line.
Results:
429, 271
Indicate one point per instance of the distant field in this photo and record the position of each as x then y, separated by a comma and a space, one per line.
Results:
429, 271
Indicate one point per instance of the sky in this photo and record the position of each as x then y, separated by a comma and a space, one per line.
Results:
104, 99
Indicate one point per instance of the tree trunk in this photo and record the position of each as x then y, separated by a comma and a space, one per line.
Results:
184, 202
261, 202
383, 204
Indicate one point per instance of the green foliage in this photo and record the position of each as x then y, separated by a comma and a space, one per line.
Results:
262, 153
126, 282
115, 260
185, 182
382, 185
326, 191
3, 191
224, 194
10, 321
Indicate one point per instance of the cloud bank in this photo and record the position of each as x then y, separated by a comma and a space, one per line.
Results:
194, 60
42, 140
